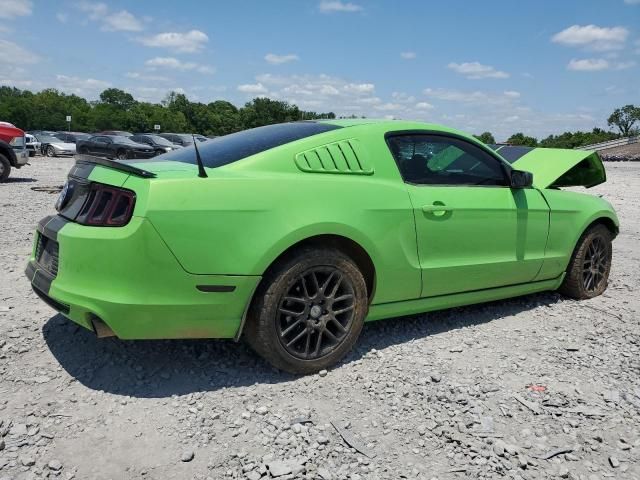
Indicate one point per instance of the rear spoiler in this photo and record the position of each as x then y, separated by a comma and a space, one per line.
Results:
116, 165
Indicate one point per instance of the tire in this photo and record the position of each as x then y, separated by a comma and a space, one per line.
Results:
589, 267
5, 168
83, 151
50, 152
321, 328
122, 155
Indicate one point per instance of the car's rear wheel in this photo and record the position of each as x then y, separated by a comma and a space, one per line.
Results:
588, 272
122, 155
83, 151
309, 311
5, 168
51, 152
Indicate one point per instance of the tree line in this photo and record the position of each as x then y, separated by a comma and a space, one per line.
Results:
118, 110
624, 119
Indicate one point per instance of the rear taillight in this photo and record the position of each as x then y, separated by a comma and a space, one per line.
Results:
107, 206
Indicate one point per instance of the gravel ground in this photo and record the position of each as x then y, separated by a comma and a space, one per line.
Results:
535, 387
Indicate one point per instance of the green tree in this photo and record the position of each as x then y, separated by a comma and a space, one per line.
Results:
117, 98
624, 118
522, 140
486, 137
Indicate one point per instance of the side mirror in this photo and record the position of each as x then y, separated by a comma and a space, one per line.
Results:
521, 179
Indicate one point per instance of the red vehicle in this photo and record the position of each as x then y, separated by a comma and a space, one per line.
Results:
13, 149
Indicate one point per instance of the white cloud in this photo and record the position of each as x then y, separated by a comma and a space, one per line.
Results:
592, 37
359, 87
145, 77
625, 65
632, 2
62, 17
274, 59
408, 55
389, 107
476, 70
96, 11
13, 54
15, 8
83, 87
175, 64
252, 88
474, 97
423, 106
122, 21
329, 6
189, 42
588, 64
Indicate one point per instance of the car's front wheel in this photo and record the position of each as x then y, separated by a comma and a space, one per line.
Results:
5, 168
309, 311
51, 152
588, 271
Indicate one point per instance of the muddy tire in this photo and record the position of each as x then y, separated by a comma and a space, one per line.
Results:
5, 168
308, 312
588, 271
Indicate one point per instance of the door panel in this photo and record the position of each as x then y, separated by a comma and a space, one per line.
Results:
472, 238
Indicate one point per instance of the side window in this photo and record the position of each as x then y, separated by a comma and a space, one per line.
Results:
442, 160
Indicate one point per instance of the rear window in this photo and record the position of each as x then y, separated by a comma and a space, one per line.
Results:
236, 146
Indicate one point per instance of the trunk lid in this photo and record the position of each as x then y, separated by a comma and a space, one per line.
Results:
556, 167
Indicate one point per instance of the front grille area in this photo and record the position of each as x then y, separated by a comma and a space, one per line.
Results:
47, 254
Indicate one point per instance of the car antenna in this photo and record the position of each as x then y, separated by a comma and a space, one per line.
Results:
201, 172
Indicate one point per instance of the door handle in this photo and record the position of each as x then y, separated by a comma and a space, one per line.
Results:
437, 207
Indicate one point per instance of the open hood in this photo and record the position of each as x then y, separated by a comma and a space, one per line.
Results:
556, 167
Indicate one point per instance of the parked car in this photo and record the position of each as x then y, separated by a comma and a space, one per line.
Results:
160, 144
52, 146
32, 143
114, 147
72, 137
13, 149
115, 133
182, 139
292, 235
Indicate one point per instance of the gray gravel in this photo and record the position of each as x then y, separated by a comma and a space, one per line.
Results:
531, 388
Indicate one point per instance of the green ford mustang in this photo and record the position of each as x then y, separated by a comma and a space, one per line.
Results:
294, 235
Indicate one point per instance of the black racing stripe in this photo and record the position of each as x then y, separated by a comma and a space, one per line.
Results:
216, 288
51, 225
30, 271
82, 170
42, 280
513, 153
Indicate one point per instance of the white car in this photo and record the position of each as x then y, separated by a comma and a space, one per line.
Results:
54, 147
33, 144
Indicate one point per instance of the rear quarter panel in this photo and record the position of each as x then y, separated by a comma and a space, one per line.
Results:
241, 218
571, 215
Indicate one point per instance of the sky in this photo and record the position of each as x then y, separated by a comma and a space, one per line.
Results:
539, 67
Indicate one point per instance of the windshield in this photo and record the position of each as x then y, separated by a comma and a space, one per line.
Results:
48, 139
81, 136
158, 140
236, 146
120, 139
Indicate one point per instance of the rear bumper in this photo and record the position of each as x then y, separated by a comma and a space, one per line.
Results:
128, 279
